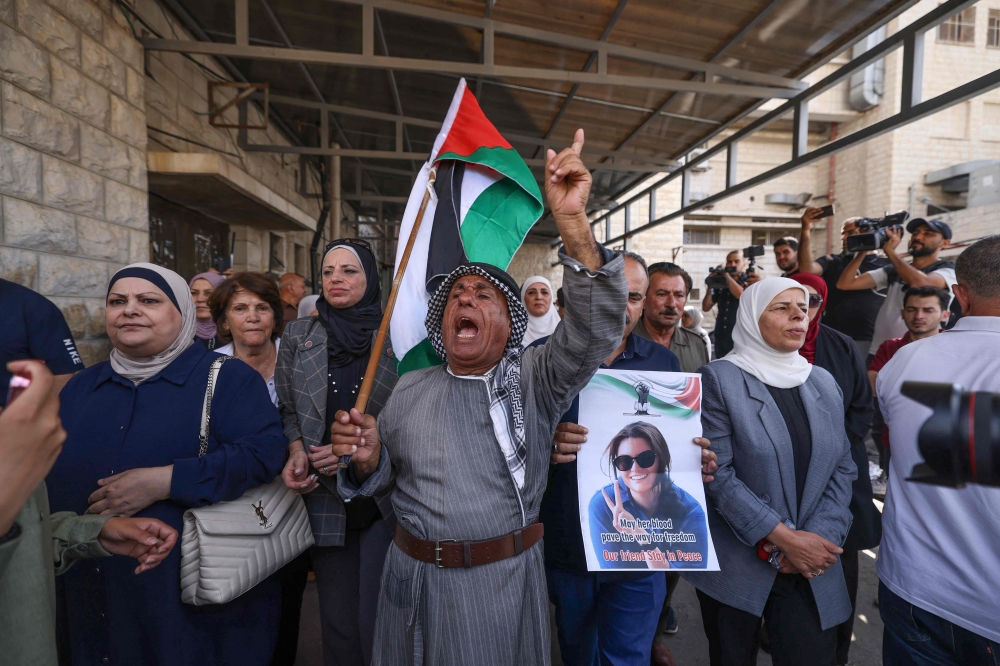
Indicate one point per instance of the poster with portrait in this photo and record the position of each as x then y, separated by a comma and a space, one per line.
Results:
642, 501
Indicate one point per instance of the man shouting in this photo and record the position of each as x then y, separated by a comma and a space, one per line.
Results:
465, 447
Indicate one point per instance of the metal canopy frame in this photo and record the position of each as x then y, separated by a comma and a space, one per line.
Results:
745, 82
703, 77
912, 108
636, 163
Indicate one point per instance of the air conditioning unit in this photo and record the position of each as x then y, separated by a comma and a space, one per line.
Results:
703, 166
786, 199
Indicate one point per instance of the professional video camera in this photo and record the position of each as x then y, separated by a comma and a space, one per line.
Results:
717, 277
877, 236
751, 253
960, 442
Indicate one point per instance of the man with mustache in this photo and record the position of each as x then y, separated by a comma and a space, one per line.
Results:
666, 297
927, 239
464, 447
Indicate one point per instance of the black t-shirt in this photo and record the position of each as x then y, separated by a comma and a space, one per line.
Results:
851, 312
793, 412
725, 322
32, 327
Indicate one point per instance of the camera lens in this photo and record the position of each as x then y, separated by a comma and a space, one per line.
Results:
960, 442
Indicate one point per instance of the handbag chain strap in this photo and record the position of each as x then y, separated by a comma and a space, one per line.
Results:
206, 410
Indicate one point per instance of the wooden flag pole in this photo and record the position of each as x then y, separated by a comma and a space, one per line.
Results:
366, 385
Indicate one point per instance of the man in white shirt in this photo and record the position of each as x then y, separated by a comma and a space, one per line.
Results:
927, 239
939, 563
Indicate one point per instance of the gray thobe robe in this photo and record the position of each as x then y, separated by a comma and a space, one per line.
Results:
452, 482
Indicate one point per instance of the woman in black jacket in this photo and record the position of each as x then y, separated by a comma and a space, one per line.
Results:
837, 354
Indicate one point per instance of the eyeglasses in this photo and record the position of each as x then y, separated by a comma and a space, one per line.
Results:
815, 300
646, 459
360, 242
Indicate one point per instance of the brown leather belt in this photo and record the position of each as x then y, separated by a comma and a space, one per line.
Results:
451, 553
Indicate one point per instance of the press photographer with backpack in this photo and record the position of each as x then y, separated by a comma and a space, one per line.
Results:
926, 269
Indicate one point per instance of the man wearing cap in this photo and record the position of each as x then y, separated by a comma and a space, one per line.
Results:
927, 238
465, 448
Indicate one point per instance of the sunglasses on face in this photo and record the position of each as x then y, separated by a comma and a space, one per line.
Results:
815, 300
646, 459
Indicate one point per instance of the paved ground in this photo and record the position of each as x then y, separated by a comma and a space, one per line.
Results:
690, 648
688, 645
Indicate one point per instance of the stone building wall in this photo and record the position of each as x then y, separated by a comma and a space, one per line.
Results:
176, 98
72, 156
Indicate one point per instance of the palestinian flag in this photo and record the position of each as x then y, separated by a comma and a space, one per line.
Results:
483, 202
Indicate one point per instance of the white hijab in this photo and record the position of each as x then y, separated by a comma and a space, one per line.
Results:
539, 327
751, 353
697, 317
140, 368
307, 305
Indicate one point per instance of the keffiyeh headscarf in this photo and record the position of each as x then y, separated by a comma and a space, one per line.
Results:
506, 409
140, 368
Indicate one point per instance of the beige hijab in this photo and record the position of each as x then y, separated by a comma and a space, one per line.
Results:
140, 368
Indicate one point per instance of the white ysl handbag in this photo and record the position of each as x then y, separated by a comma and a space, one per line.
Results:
229, 547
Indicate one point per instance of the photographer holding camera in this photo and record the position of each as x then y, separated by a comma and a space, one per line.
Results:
927, 238
852, 313
725, 286
940, 550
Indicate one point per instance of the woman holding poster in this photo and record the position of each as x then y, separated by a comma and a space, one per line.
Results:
643, 516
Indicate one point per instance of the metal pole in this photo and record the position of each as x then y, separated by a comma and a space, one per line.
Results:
336, 210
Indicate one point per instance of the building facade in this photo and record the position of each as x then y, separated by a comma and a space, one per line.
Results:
107, 157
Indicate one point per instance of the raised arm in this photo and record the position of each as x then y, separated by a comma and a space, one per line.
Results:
911, 277
590, 330
567, 189
806, 262
708, 301
850, 280
594, 284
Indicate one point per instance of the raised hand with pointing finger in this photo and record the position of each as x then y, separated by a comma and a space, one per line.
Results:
567, 188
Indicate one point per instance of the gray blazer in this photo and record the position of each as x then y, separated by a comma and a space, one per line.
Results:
754, 487
300, 378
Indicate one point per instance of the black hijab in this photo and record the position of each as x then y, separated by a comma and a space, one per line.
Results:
350, 330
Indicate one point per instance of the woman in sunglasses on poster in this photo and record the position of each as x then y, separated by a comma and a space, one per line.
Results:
649, 512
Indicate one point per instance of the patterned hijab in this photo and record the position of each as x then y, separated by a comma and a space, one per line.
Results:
506, 409
140, 368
